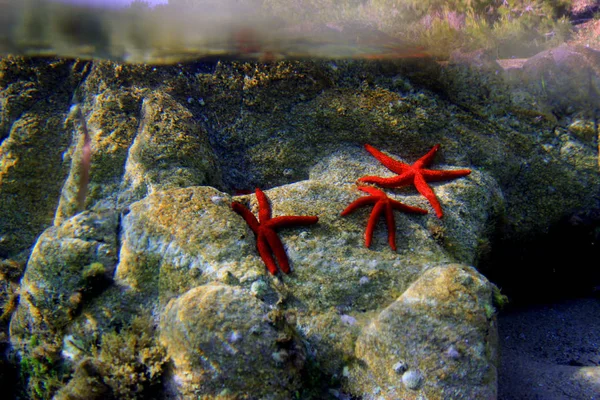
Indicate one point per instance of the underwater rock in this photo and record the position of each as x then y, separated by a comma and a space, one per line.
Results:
159, 158
34, 102
142, 140
449, 305
177, 239
476, 81
186, 250
158, 133
553, 84
476, 201
222, 344
127, 364
566, 79
236, 126
69, 265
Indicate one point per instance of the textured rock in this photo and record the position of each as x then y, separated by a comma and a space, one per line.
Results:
222, 343
34, 103
175, 240
461, 233
239, 126
184, 249
566, 78
142, 140
476, 81
63, 271
442, 330
168, 146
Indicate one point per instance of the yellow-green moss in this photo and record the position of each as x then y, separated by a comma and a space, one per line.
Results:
93, 271
124, 366
499, 300
41, 372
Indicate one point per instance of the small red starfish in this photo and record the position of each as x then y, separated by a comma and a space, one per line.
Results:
382, 204
267, 240
414, 174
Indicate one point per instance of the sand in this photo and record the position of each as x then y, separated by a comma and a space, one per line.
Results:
551, 352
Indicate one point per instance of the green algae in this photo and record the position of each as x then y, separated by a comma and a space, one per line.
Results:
127, 365
499, 300
41, 370
173, 240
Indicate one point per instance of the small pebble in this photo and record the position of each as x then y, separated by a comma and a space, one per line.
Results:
348, 320
452, 353
412, 379
400, 367
234, 336
258, 288
280, 356
217, 200
288, 172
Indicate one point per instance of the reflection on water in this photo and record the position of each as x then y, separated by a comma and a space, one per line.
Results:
180, 30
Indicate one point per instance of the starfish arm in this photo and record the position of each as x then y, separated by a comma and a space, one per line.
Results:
427, 158
291, 220
247, 215
361, 201
391, 164
278, 250
434, 175
263, 250
426, 191
377, 209
391, 225
396, 205
372, 191
394, 181
264, 208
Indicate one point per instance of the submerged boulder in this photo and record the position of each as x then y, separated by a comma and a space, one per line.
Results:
222, 343
228, 328
440, 333
172, 147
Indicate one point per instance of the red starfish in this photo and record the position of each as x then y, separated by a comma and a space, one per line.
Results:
267, 240
382, 204
414, 174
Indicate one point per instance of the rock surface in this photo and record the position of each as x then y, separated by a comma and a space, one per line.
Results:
550, 351
172, 147
216, 334
68, 263
437, 334
186, 254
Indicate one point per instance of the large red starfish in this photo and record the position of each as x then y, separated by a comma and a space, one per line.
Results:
415, 174
382, 204
267, 240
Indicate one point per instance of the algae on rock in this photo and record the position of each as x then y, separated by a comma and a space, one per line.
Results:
158, 236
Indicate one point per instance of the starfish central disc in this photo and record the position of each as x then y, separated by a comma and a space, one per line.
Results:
268, 243
415, 174
382, 204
